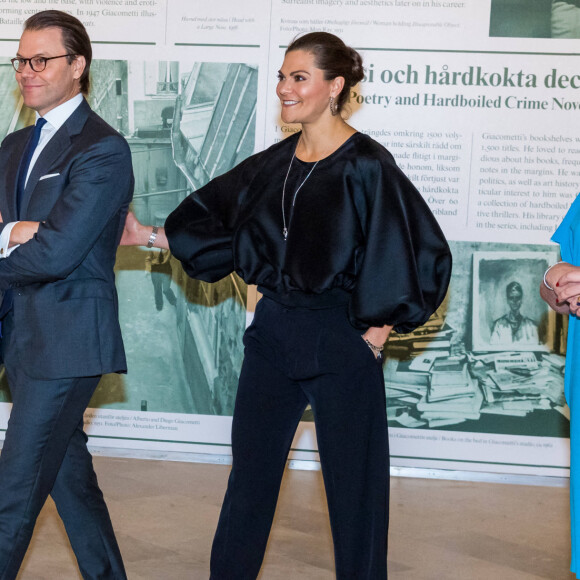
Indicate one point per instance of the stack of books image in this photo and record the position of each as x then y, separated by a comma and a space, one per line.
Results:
518, 383
405, 388
431, 382
432, 389
453, 395
435, 334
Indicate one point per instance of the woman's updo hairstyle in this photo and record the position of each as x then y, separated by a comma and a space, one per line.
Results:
334, 58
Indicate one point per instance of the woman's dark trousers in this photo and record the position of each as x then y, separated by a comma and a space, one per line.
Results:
295, 357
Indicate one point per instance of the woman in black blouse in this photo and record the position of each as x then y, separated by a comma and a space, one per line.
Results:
343, 248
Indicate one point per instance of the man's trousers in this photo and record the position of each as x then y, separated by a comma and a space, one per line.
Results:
45, 452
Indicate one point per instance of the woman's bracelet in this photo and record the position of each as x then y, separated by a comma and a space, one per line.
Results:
377, 350
546, 273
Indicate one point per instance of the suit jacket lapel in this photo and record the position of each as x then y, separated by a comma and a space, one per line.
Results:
11, 176
59, 145
55, 148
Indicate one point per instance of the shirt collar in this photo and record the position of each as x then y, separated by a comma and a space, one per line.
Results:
58, 116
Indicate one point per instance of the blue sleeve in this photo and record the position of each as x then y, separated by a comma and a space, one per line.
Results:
564, 235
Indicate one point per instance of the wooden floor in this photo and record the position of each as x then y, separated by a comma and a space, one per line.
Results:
165, 514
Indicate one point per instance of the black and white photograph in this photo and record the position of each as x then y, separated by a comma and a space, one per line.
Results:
508, 313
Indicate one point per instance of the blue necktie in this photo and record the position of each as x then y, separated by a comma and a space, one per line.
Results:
28, 153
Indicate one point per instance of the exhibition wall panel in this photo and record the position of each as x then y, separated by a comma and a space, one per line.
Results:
478, 103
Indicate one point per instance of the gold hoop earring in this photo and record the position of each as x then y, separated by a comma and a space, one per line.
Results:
333, 107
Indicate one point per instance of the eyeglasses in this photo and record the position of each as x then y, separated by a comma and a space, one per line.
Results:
37, 63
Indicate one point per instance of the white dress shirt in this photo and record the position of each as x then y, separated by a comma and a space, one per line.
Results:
55, 119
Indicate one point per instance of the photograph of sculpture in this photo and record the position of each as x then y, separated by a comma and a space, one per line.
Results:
185, 123
508, 313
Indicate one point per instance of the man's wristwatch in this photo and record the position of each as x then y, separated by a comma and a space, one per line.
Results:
153, 236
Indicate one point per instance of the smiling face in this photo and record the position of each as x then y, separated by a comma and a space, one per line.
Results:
302, 90
58, 82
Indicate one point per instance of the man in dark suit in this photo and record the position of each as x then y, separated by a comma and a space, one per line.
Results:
64, 191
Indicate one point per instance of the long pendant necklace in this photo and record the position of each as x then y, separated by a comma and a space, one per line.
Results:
285, 228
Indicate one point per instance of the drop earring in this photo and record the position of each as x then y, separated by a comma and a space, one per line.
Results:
332, 106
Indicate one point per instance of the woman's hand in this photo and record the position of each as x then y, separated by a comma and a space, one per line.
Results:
567, 286
564, 297
549, 296
377, 336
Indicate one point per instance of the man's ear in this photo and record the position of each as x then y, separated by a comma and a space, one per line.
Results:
79, 64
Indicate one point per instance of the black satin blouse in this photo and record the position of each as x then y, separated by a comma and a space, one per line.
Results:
358, 225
